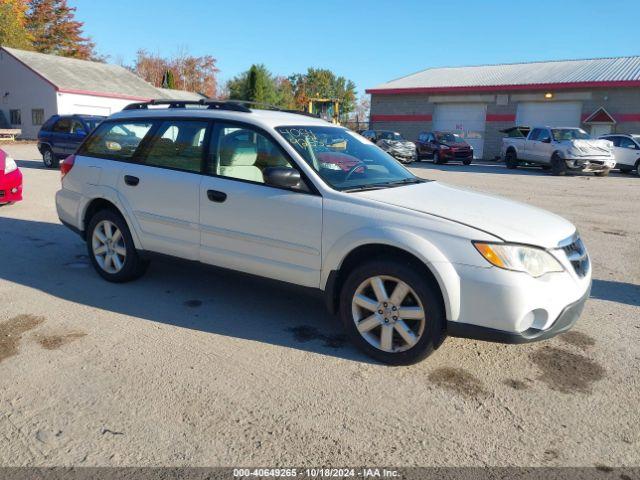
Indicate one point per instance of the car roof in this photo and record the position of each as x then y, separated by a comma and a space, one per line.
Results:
262, 118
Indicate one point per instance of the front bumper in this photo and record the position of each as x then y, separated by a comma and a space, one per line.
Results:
564, 322
11, 187
590, 164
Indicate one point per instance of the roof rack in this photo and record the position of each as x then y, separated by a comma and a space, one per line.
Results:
231, 105
210, 104
269, 106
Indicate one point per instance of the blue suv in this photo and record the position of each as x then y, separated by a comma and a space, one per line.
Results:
62, 134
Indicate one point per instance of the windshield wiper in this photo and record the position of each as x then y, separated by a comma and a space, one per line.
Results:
380, 186
406, 181
363, 188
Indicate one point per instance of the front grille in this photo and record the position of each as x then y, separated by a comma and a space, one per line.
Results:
577, 255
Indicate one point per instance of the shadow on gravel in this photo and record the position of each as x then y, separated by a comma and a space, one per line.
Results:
49, 257
620, 292
35, 164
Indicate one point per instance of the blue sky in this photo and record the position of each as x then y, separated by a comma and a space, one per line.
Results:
370, 41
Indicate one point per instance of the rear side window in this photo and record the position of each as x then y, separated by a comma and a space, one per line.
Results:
62, 126
118, 141
535, 134
177, 144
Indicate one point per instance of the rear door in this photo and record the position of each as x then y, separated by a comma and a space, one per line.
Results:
250, 226
161, 185
59, 138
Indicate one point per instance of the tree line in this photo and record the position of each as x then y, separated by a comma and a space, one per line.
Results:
50, 26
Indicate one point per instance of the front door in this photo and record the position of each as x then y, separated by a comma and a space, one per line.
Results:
249, 226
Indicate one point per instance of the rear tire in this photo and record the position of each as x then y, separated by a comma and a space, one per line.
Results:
558, 166
511, 160
111, 249
49, 158
415, 318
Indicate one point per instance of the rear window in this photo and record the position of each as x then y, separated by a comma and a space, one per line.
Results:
118, 141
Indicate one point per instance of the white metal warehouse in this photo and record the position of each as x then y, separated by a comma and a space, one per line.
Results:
34, 86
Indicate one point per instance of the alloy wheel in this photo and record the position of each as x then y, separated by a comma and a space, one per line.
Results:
108, 247
391, 323
48, 158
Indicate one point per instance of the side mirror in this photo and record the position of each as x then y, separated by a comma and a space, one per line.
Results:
281, 177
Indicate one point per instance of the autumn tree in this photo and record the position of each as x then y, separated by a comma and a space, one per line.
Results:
13, 31
54, 29
191, 73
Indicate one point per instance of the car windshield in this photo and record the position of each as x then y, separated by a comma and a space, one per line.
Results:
569, 134
389, 136
449, 138
345, 160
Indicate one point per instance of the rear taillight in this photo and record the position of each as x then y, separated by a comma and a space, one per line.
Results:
67, 165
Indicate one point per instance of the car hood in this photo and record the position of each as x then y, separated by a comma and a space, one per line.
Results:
507, 219
591, 147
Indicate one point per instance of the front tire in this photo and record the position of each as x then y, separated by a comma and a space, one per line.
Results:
391, 312
49, 158
111, 249
510, 160
437, 159
466, 161
558, 166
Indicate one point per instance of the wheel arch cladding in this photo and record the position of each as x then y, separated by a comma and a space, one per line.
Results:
415, 249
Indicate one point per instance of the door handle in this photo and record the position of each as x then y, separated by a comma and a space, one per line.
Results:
131, 180
216, 196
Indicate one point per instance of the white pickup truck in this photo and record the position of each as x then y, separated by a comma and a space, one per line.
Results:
557, 149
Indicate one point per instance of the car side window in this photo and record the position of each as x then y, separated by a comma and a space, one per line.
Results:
77, 126
116, 140
626, 143
535, 134
240, 152
177, 144
62, 126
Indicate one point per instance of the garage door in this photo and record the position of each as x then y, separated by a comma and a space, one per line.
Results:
466, 119
91, 110
551, 114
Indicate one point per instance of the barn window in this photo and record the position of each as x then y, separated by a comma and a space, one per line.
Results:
37, 116
15, 117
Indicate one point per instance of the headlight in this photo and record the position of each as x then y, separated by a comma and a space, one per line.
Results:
9, 165
444, 147
534, 261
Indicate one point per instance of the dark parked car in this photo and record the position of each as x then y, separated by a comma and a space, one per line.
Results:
62, 134
443, 147
393, 143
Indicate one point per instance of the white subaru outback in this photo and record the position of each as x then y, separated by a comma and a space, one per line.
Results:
405, 261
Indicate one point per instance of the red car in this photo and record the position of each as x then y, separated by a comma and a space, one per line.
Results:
443, 147
10, 180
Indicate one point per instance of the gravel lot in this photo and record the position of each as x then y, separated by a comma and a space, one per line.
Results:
191, 366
